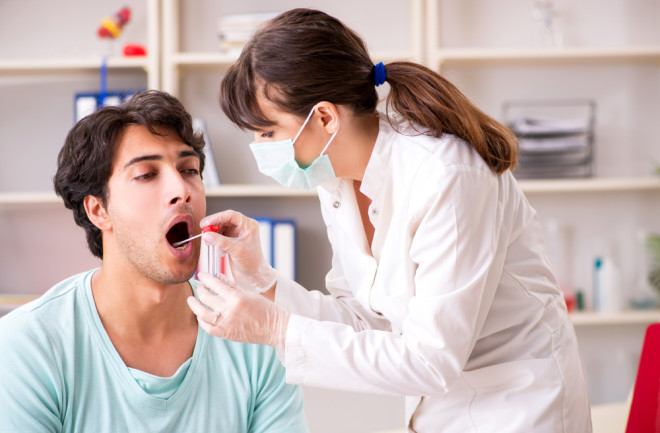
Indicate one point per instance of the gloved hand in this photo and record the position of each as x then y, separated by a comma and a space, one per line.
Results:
239, 236
227, 311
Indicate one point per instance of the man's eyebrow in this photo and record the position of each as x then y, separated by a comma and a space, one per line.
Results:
182, 154
186, 153
142, 158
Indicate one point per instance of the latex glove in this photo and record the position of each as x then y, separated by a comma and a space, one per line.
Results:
227, 311
239, 237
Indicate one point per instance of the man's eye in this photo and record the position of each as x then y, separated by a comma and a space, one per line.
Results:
145, 176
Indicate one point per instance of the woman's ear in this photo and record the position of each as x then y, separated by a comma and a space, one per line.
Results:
329, 116
96, 213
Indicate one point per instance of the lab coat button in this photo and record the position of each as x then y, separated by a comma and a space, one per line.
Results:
336, 205
374, 212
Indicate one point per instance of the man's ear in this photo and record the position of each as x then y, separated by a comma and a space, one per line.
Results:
329, 116
97, 213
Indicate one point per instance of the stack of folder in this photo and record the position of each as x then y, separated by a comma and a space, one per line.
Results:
553, 146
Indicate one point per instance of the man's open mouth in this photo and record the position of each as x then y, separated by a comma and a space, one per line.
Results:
178, 233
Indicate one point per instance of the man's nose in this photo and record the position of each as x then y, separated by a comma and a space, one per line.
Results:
178, 190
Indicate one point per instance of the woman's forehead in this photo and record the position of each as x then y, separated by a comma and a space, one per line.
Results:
271, 111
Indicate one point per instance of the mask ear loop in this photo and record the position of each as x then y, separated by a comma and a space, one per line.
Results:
309, 116
330, 141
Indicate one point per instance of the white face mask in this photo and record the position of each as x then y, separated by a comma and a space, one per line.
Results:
277, 159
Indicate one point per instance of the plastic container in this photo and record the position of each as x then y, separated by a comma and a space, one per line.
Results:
607, 285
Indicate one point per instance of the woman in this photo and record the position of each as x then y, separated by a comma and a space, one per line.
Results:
440, 289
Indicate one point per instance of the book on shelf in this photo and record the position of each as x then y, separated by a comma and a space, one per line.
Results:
284, 248
85, 103
210, 175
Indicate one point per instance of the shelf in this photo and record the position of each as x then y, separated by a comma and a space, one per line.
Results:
573, 54
629, 317
203, 59
10, 302
29, 197
393, 56
603, 184
86, 64
200, 59
256, 191
548, 186
222, 191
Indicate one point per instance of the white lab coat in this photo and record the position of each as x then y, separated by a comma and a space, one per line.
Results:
454, 305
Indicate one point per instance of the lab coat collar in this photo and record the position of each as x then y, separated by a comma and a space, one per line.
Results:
372, 181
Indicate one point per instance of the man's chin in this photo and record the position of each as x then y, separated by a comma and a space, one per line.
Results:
182, 277
176, 274
182, 272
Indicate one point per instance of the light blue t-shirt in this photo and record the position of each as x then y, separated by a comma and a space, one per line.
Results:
59, 372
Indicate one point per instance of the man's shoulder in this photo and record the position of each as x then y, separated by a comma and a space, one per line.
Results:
57, 304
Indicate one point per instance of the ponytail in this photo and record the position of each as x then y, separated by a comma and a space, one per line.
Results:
425, 98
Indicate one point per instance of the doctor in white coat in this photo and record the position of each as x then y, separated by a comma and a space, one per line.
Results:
440, 289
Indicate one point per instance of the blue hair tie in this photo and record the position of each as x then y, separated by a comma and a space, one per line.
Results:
379, 74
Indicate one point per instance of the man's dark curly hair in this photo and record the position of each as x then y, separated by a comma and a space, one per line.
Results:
84, 164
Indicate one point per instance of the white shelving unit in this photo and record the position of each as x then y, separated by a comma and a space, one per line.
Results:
424, 37
175, 60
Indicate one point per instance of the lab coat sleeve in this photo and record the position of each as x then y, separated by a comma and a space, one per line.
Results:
339, 306
454, 225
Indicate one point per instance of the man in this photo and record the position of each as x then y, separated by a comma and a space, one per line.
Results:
117, 348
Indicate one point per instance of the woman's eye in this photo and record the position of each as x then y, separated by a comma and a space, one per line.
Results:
268, 134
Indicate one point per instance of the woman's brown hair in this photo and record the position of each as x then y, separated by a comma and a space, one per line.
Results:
305, 56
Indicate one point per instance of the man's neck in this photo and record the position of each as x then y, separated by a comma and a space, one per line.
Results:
149, 323
141, 304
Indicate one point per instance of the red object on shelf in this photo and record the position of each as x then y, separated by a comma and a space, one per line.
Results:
131, 50
112, 26
570, 302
